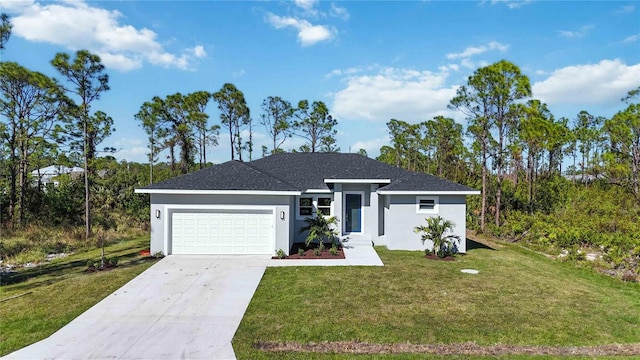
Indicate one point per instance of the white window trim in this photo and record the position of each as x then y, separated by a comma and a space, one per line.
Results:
315, 205
436, 206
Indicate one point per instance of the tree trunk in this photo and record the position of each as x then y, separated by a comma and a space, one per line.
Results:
87, 205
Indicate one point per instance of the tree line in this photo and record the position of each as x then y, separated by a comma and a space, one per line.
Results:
56, 121
515, 150
178, 124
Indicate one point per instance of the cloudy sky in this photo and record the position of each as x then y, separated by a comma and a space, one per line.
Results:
368, 61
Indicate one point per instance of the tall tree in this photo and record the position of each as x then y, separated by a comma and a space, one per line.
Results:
489, 100
31, 103
5, 30
406, 139
623, 159
276, 118
444, 135
234, 115
149, 123
534, 130
315, 125
196, 104
587, 129
88, 80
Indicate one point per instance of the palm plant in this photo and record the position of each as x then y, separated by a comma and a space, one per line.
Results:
436, 231
321, 228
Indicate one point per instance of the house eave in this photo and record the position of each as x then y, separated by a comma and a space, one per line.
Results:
215, 192
410, 192
318, 191
357, 181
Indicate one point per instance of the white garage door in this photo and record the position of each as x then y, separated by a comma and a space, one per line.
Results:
237, 232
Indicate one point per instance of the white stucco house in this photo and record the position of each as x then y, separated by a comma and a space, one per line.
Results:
49, 175
257, 207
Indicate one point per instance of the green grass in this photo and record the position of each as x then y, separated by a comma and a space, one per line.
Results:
519, 298
59, 291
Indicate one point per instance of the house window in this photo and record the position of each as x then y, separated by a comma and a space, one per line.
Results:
427, 204
305, 206
309, 205
324, 205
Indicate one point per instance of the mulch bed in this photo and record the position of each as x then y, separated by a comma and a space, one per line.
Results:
309, 255
468, 348
432, 256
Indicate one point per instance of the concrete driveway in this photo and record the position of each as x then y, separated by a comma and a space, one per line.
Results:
183, 307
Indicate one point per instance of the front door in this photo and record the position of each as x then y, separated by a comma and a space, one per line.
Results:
353, 213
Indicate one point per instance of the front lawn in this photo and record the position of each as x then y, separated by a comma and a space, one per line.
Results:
40, 300
519, 298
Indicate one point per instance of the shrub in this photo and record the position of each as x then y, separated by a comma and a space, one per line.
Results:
114, 261
281, 254
317, 251
436, 231
301, 252
320, 229
333, 250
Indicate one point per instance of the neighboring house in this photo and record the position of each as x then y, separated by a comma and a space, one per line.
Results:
49, 174
257, 207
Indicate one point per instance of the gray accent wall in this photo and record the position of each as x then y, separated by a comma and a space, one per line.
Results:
163, 202
401, 217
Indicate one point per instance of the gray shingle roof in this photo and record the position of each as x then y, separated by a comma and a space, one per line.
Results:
304, 171
231, 175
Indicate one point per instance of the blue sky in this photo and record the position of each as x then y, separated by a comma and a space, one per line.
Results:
368, 61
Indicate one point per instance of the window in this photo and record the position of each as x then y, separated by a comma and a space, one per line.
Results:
305, 207
308, 205
427, 204
324, 205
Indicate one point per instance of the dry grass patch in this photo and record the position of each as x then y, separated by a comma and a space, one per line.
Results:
57, 292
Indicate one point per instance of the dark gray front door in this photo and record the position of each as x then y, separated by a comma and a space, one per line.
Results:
353, 213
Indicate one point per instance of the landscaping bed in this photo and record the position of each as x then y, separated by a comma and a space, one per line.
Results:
301, 251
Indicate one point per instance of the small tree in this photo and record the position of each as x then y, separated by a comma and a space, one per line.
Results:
436, 231
320, 228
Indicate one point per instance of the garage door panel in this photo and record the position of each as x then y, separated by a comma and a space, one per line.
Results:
222, 233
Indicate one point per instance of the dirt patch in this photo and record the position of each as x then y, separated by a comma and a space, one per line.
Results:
309, 254
350, 347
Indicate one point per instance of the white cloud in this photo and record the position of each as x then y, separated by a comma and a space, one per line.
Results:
511, 4
238, 73
339, 12
308, 34
603, 83
477, 50
404, 94
129, 149
198, 51
371, 146
631, 39
306, 4
77, 25
577, 33
625, 9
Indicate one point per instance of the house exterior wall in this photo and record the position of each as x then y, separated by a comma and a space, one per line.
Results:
166, 203
401, 217
370, 211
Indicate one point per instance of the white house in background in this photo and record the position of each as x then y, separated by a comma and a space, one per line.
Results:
258, 207
48, 175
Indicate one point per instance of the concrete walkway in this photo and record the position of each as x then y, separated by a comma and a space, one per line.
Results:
183, 307
355, 255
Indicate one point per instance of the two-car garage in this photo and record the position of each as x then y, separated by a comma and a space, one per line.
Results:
221, 231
